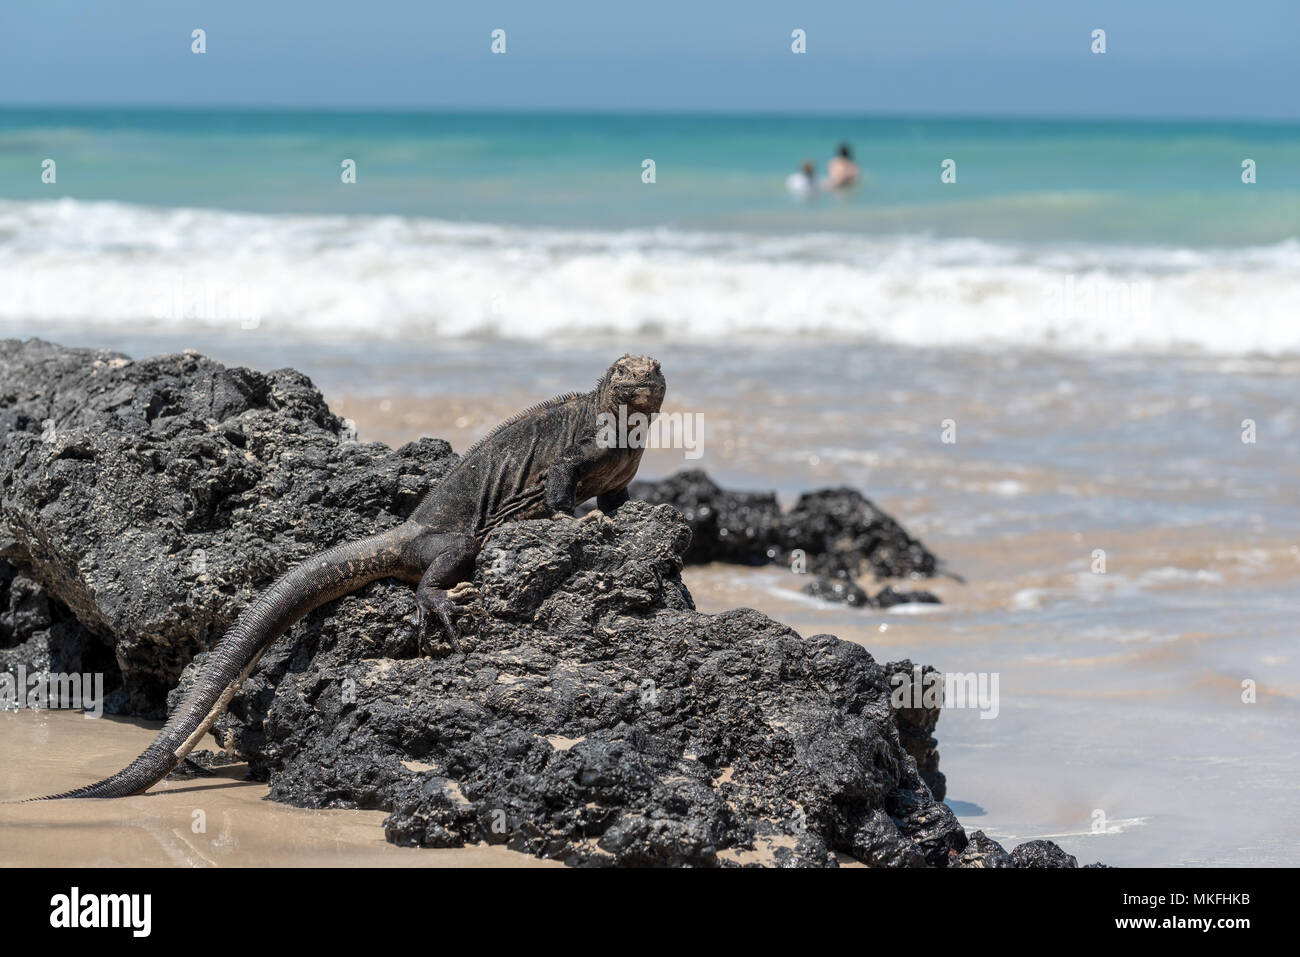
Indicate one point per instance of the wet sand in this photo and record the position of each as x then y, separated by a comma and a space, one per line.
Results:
223, 820
1143, 723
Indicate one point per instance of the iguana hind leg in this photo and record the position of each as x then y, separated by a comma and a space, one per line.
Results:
452, 560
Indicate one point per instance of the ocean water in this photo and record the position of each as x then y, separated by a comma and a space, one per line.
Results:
1107, 316
1063, 235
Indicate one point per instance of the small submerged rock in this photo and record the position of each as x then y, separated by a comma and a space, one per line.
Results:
849, 592
839, 590
888, 597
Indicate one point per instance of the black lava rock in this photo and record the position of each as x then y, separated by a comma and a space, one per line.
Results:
848, 592
879, 843
916, 724
726, 526
833, 532
840, 590
844, 533
595, 716
888, 597
1042, 854
983, 851
152, 500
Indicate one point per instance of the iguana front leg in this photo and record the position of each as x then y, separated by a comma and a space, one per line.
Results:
572, 465
452, 562
609, 502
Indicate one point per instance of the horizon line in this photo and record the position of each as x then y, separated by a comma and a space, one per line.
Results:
664, 112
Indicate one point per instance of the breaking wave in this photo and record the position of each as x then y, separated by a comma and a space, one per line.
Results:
142, 267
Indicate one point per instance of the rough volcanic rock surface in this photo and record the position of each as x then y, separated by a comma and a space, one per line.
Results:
1042, 854
916, 724
152, 499
837, 532
725, 526
595, 716
38, 635
982, 851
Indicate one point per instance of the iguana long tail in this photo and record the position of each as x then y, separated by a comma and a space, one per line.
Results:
318, 580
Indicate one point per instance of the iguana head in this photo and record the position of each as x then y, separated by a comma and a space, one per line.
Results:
633, 381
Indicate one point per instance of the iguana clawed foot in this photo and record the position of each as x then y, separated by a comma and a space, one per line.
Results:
430, 602
464, 593
595, 515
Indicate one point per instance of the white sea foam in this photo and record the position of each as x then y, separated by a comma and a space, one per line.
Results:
113, 264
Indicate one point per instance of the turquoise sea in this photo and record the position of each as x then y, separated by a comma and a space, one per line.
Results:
1017, 179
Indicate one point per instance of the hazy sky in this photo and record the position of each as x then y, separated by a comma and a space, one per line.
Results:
1173, 58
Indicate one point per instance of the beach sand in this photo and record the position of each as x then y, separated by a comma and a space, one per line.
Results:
223, 820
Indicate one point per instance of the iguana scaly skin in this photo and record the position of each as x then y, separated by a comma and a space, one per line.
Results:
542, 462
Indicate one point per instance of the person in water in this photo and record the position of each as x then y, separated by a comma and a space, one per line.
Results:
841, 171
803, 182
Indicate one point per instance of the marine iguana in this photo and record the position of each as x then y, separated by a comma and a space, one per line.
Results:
542, 462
